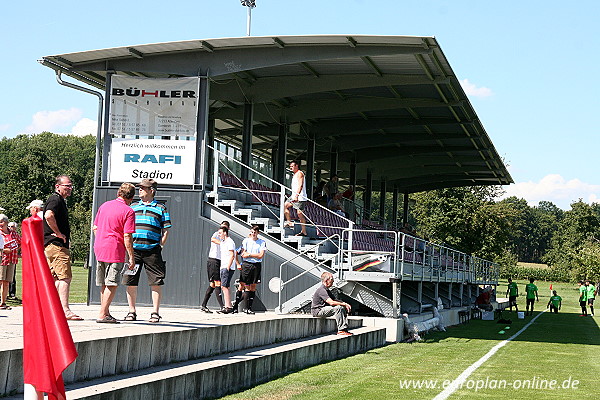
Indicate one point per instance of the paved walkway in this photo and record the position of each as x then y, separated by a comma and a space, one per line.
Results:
174, 318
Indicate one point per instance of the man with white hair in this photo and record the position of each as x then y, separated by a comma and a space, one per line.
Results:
324, 304
35, 208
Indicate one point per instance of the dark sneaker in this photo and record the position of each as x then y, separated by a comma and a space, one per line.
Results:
205, 309
249, 312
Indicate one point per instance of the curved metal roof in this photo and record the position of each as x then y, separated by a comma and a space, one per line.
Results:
392, 104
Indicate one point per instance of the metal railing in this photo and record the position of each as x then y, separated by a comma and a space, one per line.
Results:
282, 190
411, 257
282, 284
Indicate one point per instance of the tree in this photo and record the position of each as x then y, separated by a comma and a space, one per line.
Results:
465, 218
579, 227
30, 165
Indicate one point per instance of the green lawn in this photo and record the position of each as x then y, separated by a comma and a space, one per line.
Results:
79, 283
562, 347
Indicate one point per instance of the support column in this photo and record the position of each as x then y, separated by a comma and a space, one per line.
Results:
210, 154
280, 162
247, 138
395, 207
367, 194
382, 193
353, 174
405, 209
310, 163
107, 138
333, 162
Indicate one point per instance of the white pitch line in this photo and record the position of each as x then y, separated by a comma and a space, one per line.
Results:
467, 372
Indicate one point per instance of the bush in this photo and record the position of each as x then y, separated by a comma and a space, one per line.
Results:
541, 274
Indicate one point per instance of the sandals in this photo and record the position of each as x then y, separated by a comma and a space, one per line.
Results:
154, 318
73, 317
109, 319
131, 316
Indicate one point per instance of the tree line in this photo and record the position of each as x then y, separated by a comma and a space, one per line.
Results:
28, 170
470, 219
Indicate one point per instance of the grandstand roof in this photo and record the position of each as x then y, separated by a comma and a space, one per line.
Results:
390, 103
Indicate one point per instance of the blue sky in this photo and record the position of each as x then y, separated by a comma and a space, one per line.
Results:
528, 66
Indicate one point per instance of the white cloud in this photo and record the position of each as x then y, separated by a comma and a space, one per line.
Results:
53, 121
556, 189
4, 127
85, 126
474, 91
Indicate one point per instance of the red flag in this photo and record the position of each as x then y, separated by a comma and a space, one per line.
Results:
550, 286
48, 346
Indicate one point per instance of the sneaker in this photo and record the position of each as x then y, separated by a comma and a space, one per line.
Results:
249, 312
234, 311
344, 333
205, 309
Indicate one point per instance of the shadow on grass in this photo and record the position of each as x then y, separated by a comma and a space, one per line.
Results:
561, 328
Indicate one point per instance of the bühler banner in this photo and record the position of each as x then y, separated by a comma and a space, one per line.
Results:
153, 127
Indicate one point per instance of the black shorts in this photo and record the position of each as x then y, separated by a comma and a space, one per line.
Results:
582, 303
154, 265
530, 301
213, 265
590, 302
250, 273
553, 308
512, 299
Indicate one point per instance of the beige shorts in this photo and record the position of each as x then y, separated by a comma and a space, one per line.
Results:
59, 260
108, 274
7, 272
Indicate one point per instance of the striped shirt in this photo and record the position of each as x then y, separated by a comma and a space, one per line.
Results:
150, 220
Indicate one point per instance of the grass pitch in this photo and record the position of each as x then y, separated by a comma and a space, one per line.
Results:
79, 285
560, 348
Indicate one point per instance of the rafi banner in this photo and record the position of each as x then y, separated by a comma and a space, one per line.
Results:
168, 162
153, 107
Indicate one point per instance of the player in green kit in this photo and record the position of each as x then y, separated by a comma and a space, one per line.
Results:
555, 302
532, 294
582, 298
512, 292
591, 294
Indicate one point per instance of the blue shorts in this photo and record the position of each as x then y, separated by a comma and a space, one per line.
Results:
226, 275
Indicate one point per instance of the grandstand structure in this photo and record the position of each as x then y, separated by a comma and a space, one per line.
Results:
381, 112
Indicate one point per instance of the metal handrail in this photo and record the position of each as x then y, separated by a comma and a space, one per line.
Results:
282, 284
282, 186
350, 250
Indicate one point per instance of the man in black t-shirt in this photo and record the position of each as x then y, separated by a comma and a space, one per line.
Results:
324, 304
57, 234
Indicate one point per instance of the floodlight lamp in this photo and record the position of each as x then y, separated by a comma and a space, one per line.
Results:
248, 3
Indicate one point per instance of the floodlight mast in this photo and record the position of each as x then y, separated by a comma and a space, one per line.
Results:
250, 4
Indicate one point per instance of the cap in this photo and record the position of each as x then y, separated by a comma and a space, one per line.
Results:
35, 203
148, 183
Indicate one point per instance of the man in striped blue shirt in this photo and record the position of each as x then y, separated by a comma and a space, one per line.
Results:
152, 223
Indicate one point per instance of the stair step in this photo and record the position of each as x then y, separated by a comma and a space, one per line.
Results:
203, 378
